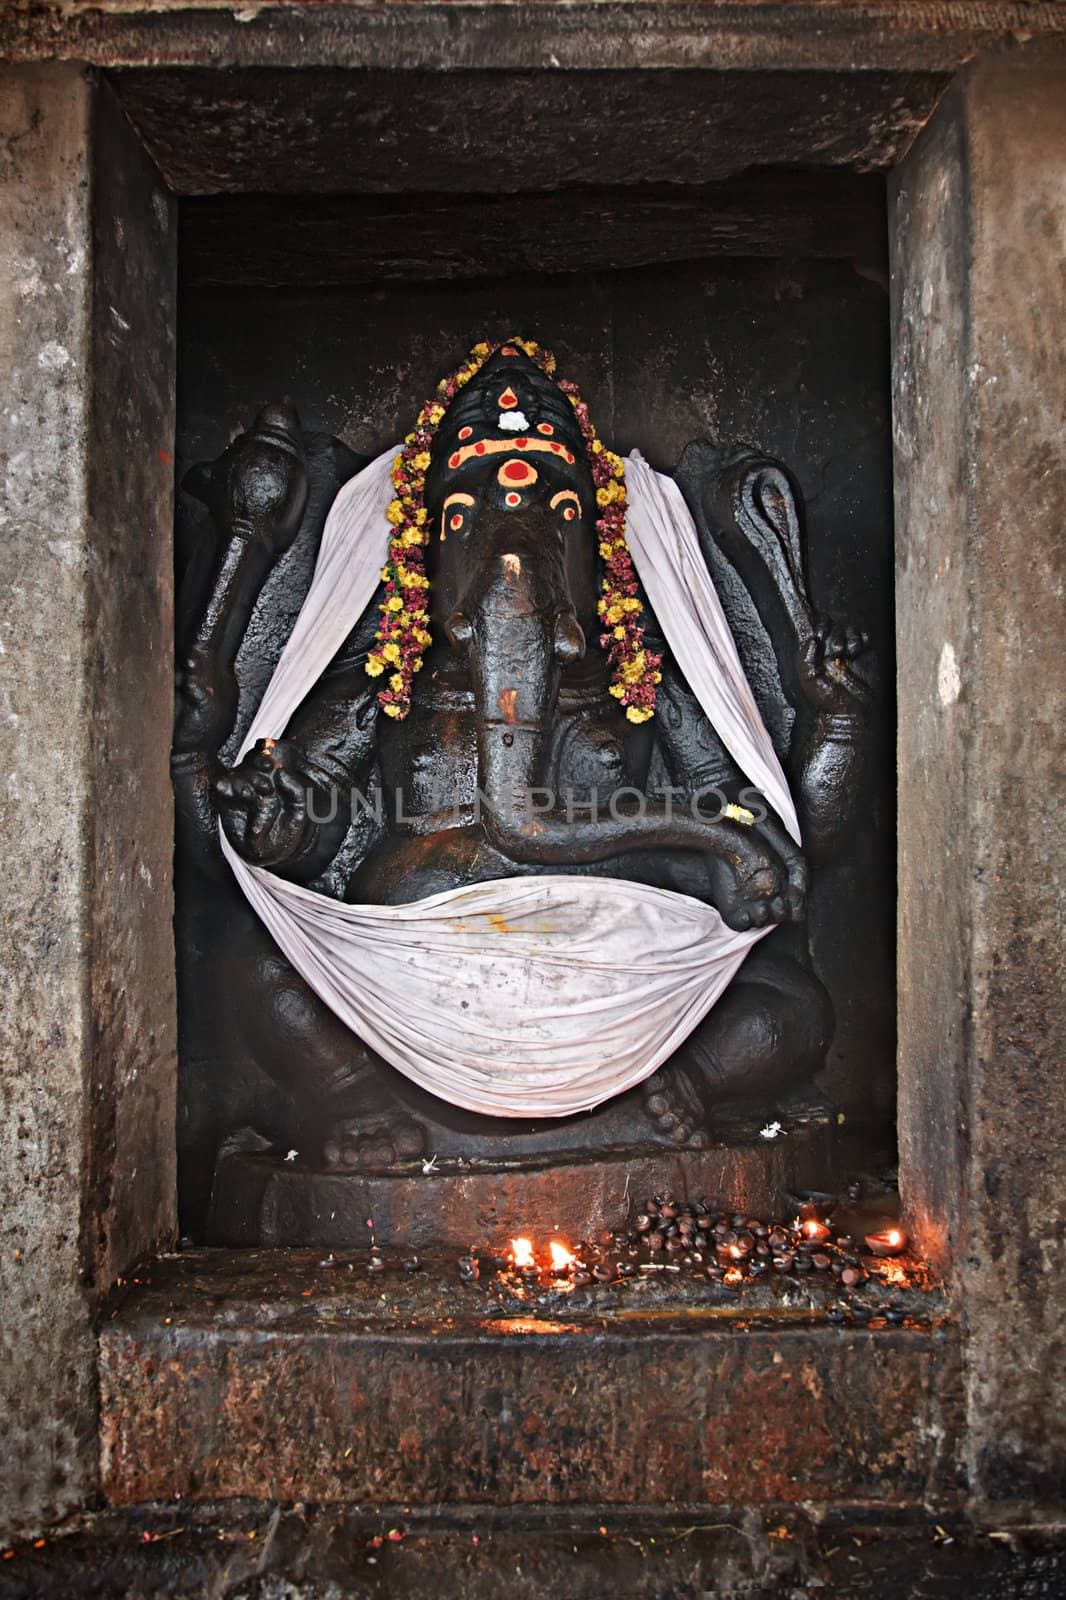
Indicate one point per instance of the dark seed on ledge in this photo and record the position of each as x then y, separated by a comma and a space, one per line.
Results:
674, 1246
852, 1277
375, 1264
655, 1240
895, 1314
468, 1269
784, 1263
582, 1280
836, 1314
803, 1263
412, 1264
603, 1274
821, 1261
643, 1223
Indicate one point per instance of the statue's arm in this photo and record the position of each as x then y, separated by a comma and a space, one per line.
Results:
288, 805
256, 491
746, 504
702, 771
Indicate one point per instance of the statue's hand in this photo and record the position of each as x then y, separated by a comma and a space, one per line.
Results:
262, 804
825, 668
205, 703
751, 885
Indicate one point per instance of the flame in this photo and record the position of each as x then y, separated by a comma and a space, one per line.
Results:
895, 1238
736, 1252
816, 1230
522, 1253
562, 1258
734, 1275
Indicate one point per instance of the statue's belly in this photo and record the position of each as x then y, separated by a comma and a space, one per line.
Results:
410, 866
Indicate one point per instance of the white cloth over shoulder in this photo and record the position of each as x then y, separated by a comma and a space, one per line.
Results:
527, 996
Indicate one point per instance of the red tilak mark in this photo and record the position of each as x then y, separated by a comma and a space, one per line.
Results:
545, 428
513, 499
523, 444
518, 472
508, 350
479, 448
557, 448
165, 457
506, 704
569, 514
508, 400
456, 522
464, 433
453, 461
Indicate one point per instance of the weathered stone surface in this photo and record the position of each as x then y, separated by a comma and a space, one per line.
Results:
980, 301
327, 1553
471, 131
937, 35
276, 1376
87, 1004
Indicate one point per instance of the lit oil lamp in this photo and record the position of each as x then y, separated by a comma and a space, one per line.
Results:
563, 1260
815, 1232
522, 1257
891, 1242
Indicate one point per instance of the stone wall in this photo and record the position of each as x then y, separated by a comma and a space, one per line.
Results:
86, 1004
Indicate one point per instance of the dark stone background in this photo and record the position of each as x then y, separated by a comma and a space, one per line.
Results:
791, 355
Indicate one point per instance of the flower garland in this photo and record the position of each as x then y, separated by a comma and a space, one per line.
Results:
404, 634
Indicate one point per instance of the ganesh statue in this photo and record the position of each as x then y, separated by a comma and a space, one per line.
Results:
491, 839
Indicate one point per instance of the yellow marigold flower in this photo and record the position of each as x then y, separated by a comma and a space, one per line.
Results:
374, 667
615, 613
601, 607
630, 605
396, 682
617, 689
480, 350
435, 413
422, 637
416, 664
385, 574
596, 446
412, 537
420, 516
391, 652
658, 678
393, 710
619, 633
633, 670
574, 400
420, 462
606, 550
633, 714
395, 513
394, 603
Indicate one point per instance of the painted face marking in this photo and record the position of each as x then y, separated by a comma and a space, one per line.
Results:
517, 472
513, 499
464, 433
508, 400
545, 428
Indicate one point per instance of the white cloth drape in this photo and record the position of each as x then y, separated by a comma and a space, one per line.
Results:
527, 996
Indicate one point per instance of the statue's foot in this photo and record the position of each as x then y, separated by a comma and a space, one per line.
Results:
673, 1105
372, 1143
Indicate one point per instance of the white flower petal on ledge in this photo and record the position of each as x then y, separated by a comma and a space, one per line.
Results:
771, 1130
514, 422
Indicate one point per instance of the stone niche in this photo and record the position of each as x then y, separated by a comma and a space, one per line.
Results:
773, 331
828, 238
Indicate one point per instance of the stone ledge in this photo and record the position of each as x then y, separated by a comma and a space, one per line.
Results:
273, 1375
